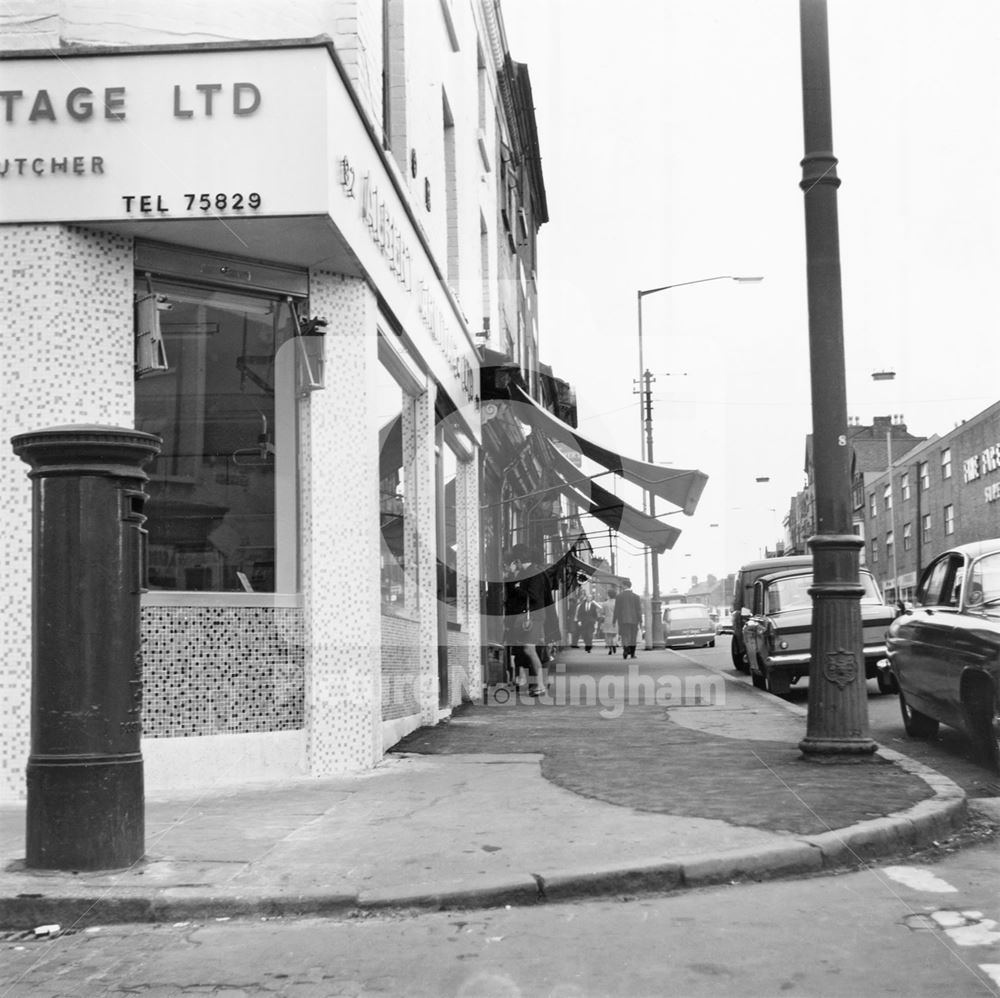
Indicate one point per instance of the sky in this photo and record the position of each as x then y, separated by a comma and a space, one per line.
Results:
671, 137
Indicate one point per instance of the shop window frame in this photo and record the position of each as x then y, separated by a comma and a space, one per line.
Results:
175, 266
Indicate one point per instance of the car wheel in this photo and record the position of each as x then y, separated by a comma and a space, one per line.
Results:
991, 743
886, 682
986, 734
711, 643
917, 725
740, 662
777, 685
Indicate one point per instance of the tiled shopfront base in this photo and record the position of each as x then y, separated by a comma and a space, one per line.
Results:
222, 670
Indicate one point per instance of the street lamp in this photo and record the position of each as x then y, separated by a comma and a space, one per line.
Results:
837, 717
654, 634
890, 376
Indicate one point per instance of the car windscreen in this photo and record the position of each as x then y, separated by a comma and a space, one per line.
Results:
870, 593
793, 593
788, 594
984, 582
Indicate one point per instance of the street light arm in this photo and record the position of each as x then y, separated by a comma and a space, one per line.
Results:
646, 430
702, 280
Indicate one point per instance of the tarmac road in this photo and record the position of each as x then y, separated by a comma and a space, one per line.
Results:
912, 929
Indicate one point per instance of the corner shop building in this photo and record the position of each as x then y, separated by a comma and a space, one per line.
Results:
313, 543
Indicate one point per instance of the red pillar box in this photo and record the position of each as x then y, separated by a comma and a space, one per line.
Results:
86, 808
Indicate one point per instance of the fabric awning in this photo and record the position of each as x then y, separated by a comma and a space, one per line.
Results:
595, 573
618, 515
682, 488
609, 509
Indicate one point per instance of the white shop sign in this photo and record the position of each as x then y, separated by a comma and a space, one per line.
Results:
162, 135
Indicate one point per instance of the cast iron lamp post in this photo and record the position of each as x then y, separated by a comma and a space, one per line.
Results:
654, 628
837, 719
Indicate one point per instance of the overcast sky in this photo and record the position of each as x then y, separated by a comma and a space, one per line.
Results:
671, 140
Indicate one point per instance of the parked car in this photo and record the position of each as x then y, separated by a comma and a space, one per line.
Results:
743, 598
688, 624
945, 651
778, 633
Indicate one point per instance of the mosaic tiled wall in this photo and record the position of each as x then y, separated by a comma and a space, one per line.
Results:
400, 668
341, 540
470, 596
222, 670
458, 669
426, 518
65, 357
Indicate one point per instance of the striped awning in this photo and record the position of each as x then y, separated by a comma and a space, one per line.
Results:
681, 488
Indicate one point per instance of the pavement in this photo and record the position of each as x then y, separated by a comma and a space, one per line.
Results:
610, 785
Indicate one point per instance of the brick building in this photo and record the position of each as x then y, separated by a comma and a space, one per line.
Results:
943, 491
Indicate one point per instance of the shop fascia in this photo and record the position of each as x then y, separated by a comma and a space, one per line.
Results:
128, 140
980, 465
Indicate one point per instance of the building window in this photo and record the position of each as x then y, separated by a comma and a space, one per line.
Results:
223, 492
395, 424
925, 528
907, 536
450, 192
904, 486
890, 542
485, 275
925, 478
874, 551
872, 505
394, 124
887, 497
946, 463
482, 90
949, 520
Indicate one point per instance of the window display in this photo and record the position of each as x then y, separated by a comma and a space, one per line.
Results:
224, 403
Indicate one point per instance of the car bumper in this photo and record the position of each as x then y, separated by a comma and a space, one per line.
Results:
798, 662
678, 640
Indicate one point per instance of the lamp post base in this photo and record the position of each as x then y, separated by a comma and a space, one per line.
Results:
837, 749
837, 719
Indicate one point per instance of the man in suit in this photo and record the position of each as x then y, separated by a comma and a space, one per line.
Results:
587, 613
628, 617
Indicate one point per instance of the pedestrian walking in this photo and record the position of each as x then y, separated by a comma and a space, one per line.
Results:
572, 624
628, 618
526, 597
608, 626
587, 614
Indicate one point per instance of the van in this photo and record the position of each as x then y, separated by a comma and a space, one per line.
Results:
743, 597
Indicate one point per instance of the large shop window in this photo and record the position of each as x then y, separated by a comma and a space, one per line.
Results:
395, 426
222, 510
451, 537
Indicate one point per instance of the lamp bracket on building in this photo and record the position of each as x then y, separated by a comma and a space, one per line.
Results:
310, 338
150, 353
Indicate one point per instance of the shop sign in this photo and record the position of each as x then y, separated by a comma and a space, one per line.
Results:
386, 233
163, 136
986, 462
